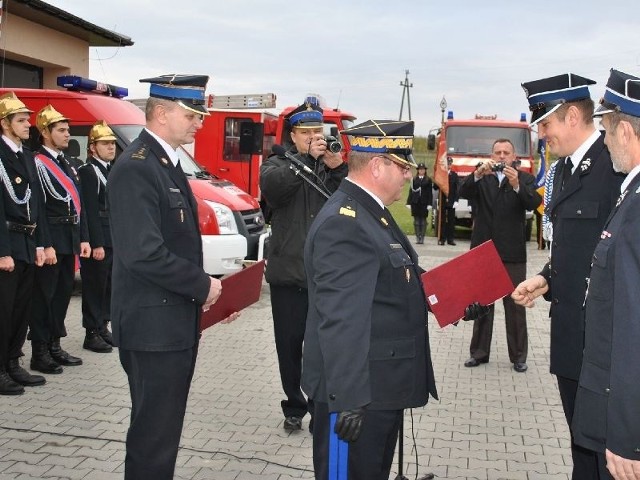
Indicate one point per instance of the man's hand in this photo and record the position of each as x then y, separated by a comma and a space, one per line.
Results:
512, 176
98, 253
622, 468
318, 146
526, 292
332, 160
484, 169
215, 289
475, 311
50, 256
39, 256
85, 250
7, 264
349, 424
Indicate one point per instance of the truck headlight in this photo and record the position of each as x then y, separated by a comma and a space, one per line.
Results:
226, 220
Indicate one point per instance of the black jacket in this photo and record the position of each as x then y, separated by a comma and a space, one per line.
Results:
294, 205
499, 213
94, 202
420, 196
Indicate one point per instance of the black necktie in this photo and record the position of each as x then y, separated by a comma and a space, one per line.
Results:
566, 171
108, 167
60, 159
20, 156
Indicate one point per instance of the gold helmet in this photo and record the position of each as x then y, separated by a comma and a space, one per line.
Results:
48, 116
101, 131
10, 104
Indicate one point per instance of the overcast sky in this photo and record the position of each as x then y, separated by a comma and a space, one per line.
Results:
355, 53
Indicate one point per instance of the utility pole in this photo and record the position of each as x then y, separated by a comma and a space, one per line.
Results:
405, 89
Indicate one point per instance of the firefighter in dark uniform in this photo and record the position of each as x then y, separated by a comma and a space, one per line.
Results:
54, 283
294, 204
607, 413
449, 203
96, 270
22, 229
584, 192
366, 347
158, 284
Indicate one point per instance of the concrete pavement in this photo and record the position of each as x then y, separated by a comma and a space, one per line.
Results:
490, 422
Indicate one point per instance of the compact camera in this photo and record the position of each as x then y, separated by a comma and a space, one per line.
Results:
498, 167
333, 145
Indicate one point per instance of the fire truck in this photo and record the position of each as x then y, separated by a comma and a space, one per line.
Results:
230, 220
239, 134
468, 142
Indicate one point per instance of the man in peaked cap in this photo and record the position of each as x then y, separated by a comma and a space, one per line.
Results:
606, 417
54, 282
159, 287
292, 195
22, 230
96, 270
583, 195
419, 201
366, 346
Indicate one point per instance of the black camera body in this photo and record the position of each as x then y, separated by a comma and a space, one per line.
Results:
333, 145
498, 167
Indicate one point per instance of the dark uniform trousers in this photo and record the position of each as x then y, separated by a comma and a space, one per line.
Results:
96, 290
15, 309
159, 383
51, 297
289, 305
449, 225
515, 319
371, 456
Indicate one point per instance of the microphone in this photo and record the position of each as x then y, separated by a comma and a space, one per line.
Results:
281, 152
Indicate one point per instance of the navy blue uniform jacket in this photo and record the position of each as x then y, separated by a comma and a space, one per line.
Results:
366, 341
158, 284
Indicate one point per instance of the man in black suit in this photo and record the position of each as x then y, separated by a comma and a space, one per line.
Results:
54, 283
366, 346
96, 270
22, 229
606, 419
584, 193
502, 195
158, 285
450, 202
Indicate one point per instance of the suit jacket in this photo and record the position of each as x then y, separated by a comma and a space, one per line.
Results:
158, 284
94, 203
366, 340
453, 189
606, 414
22, 175
577, 212
499, 213
65, 237
420, 196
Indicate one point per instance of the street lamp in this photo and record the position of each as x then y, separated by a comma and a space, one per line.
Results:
443, 107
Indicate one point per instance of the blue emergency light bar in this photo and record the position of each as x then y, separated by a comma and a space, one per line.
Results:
523, 117
73, 82
450, 115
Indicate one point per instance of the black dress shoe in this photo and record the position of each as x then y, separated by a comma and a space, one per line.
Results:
520, 367
451, 242
62, 357
93, 341
106, 334
8, 386
440, 243
21, 376
474, 362
292, 423
41, 360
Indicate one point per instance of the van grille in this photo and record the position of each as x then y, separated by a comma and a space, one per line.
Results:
253, 220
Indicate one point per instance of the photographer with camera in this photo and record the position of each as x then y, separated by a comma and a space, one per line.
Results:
502, 194
293, 184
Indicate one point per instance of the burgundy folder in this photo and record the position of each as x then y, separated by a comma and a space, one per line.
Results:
239, 290
475, 276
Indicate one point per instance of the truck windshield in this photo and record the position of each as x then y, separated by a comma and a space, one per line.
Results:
130, 132
478, 140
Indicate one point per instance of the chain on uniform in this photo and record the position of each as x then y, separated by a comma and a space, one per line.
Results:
4, 178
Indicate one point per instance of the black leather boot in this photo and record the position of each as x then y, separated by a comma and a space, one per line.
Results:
93, 341
21, 376
7, 385
41, 360
106, 334
62, 357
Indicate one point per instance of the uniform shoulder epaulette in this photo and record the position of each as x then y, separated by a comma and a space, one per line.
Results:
141, 153
347, 210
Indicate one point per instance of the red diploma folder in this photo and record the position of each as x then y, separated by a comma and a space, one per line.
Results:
239, 290
475, 276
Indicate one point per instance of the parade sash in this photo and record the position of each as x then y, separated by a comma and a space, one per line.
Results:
63, 179
338, 452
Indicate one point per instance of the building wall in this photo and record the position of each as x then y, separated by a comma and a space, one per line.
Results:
57, 53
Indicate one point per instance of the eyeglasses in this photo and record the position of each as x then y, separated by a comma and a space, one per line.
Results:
403, 166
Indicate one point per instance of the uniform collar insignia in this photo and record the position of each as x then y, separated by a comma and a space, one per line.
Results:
384, 221
585, 164
621, 198
164, 161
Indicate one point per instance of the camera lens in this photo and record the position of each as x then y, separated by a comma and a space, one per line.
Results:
333, 145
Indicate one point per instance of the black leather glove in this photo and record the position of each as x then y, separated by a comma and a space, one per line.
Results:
475, 311
349, 424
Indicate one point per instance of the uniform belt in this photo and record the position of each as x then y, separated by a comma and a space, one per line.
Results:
21, 227
103, 213
68, 219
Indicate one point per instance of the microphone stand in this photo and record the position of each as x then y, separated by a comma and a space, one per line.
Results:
400, 476
298, 172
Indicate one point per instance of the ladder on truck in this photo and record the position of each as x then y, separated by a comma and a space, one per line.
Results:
259, 100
